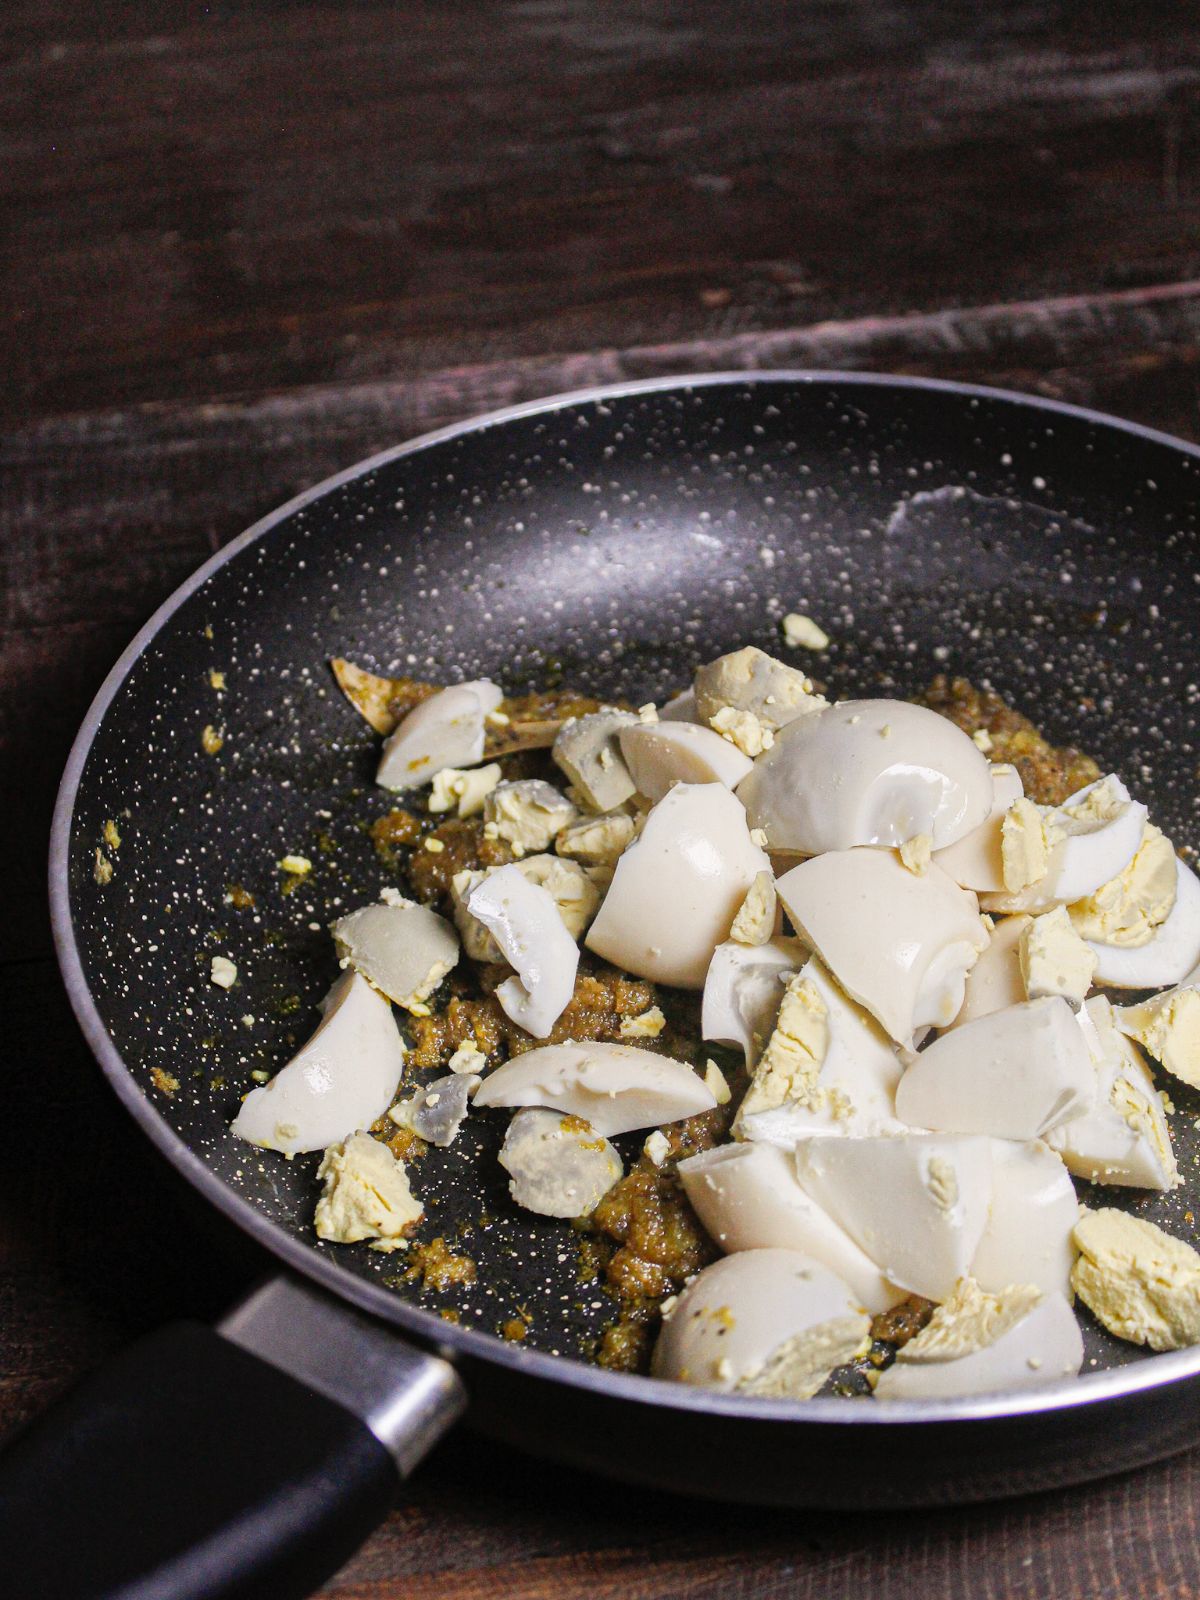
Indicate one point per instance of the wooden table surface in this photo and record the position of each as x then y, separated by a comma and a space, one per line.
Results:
244, 243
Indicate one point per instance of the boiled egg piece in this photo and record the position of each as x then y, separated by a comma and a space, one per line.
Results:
557, 1166
899, 943
743, 989
981, 1343
868, 772
678, 887
659, 754
680, 708
1169, 956
974, 861
1015, 1074
1123, 1138
615, 1087
1064, 853
918, 1205
403, 948
444, 731
342, 1080
524, 920
996, 980
828, 1068
1031, 1216
763, 1322
749, 1198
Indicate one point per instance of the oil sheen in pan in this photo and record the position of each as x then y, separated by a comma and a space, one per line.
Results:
613, 544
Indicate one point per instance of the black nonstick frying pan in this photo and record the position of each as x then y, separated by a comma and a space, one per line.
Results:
612, 539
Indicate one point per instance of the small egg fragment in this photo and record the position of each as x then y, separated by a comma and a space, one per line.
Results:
898, 943
403, 948
995, 981
565, 881
444, 731
1014, 1074
975, 861
749, 680
587, 749
680, 708
616, 1088
1172, 952
558, 1166
1168, 1026
341, 1080
1140, 1282
365, 1195
743, 989
868, 772
660, 754
678, 887
980, 1343
524, 920
749, 1198
528, 813
437, 1110
762, 1322
918, 1205
1032, 1212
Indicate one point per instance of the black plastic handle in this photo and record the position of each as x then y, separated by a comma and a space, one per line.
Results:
187, 1468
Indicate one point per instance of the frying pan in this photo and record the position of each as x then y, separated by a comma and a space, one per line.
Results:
612, 539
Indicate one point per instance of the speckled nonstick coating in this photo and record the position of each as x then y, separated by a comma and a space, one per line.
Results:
615, 539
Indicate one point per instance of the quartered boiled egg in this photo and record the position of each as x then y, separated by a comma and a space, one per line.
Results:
975, 861
444, 731
615, 1087
1015, 1074
1032, 1214
1054, 855
403, 948
340, 1081
918, 1205
678, 887
899, 943
743, 989
828, 1068
524, 920
749, 1198
1170, 954
659, 754
1123, 1138
868, 772
976, 1343
995, 981
762, 1322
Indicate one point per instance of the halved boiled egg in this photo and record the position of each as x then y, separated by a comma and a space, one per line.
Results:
899, 943
341, 1080
1172, 952
444, 731
762, 1322
659, 754
678, 887
868, 772
615, 1087
749, 1198
524, 920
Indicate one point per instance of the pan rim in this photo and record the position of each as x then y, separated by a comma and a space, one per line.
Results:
424, 1326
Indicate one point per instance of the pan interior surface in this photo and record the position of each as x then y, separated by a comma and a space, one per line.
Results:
610, 543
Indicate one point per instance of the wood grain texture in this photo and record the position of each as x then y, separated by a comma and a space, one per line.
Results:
242, 246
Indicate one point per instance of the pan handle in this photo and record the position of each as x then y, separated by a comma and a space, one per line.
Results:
247, 1461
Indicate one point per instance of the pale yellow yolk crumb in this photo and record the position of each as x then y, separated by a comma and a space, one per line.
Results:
743, 729
1026, 840
791, 1064
755, 921
917, 852
969, 1320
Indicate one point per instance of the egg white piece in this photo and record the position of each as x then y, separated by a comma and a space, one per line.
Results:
678, 887
764, 1322
1094, 843
615, 1087
555, 1169
1170, 955
444, 731
341, 1080
680, 708
1043, 1346
1014, 1074
403, 948
660, 754
855, 1088
868, 772
917, 1205
974, 861
524, 920
1124, 1138
749, 1198
995, 981
742, 991
1032, 1214
898, 943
